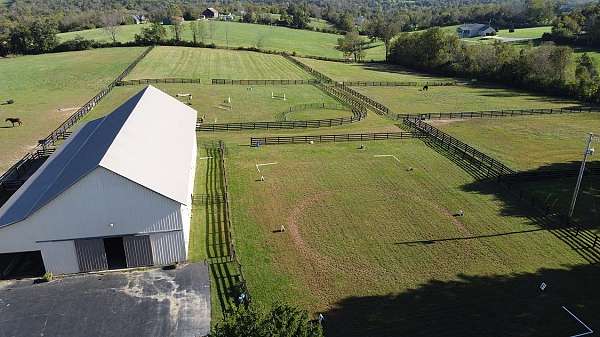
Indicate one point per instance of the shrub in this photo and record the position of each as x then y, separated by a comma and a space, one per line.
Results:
48, 276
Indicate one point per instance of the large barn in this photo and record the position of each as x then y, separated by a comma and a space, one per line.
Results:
116, 194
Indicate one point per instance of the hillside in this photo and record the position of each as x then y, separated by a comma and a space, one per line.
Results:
235, 34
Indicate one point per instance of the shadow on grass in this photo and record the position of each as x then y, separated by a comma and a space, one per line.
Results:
507, 305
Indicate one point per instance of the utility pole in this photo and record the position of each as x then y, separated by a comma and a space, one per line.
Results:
588, 152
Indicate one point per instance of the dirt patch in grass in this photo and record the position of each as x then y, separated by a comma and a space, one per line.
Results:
441, 122
293, 222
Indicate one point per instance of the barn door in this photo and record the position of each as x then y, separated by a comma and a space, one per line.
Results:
91, 255
138, 251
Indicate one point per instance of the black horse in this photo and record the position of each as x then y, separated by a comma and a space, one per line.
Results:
425, 88
14, 121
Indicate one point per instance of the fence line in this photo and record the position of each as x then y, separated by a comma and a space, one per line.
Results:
46, 145
398, 84
495, 113
378, 107
227, 221
320, 76
158, 80
348, 137
312, 106
490, 166
217, 81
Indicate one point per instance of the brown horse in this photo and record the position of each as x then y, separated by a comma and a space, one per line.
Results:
14, 121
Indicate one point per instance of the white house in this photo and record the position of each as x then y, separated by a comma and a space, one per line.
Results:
116, 194
475, 30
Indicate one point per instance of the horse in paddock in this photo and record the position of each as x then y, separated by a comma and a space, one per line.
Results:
14, 121
425, 88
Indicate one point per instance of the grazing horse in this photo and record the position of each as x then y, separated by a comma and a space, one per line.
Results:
426, 88
14, 121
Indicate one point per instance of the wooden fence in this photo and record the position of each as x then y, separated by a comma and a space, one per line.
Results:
397, 84
227, 220
46, 145
320, 76
217, 81
158, 80
490, 167
376, 106
312, 106
348, 137
277, 125
495, 113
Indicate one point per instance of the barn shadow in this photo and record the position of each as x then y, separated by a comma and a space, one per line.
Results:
502, 305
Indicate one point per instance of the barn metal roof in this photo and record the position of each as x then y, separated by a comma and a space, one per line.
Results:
148, 140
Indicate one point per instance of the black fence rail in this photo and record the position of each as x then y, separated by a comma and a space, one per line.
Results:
376, 106
398, 84
227, 222
490, 167
312, 106
23, 167
343, 97
320, 76
317, 123
158, 80
496, 113
218, 81
348, 137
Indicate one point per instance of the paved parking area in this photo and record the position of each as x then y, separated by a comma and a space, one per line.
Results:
145, 303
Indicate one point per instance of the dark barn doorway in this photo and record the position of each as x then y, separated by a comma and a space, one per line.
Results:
21, 265
115, 253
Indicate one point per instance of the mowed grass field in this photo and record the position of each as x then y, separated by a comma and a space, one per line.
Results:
207, 64
459, 98
525, 33
42, 84
235, 34
361, 230
541, 143
211, 102
339, 71
528, 142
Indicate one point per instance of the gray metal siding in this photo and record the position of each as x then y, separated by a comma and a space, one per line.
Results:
168, 247
91, 255
138, 251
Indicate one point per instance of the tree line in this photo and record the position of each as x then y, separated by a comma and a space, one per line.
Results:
579, 27
546, 68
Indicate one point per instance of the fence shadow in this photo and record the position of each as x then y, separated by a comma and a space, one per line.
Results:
504, 305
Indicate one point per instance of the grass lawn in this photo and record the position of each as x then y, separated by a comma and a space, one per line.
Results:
459, 98
522, 33
235, 34
246, 105
42, 84
207, 64
528, 142
373, 229
367, 72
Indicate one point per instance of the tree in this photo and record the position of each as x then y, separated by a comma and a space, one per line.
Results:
385, 29
282, 320
177, 27
151, 35
195, 29
352, 46
111, 22
33, 36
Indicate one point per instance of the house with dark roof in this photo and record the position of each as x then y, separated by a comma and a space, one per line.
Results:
475, 30
210, 13
116, 194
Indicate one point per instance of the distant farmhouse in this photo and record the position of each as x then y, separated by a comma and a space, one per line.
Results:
116, 194
139, 19
210, 13
228, 17
475, 30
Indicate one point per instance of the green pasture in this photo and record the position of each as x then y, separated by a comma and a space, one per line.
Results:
459, 98
525, 33
206, 64
211, 102
373, 229
528, 142
236, 34
340, 71
48, 88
